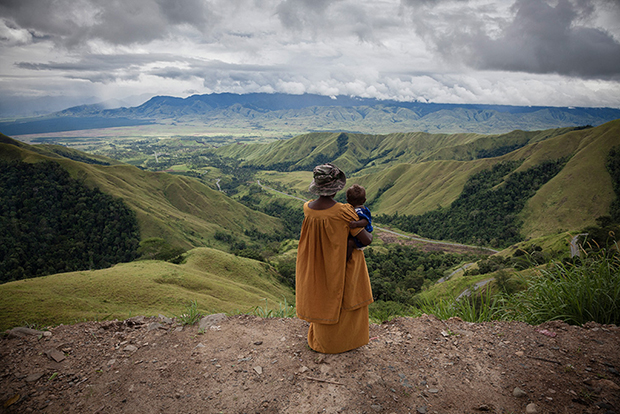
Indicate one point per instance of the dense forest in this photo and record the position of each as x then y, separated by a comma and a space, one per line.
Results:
52, 223
401, 271
613, 167
486, 211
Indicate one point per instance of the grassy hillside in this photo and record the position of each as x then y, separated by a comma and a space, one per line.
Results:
582, 191
217, 281
374, 153
182, 210
417, 172
352, 152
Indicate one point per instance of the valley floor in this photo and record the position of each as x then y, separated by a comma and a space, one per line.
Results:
245, 364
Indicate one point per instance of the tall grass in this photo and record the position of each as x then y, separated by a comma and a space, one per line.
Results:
583, 291
482, 307
588, 290
191, 316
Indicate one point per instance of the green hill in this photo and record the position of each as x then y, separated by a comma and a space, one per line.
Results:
216, 280
415, 173
181, 210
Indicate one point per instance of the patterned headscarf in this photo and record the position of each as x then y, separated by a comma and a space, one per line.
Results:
328, 180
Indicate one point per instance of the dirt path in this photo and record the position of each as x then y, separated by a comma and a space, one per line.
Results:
245, 364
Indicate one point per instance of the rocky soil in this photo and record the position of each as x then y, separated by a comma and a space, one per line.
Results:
245, 364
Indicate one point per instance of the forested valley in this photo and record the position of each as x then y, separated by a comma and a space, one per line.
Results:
486, 211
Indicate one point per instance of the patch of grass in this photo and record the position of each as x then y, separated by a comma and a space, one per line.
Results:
587, 290
191, 316
284, 310
382, 311
579, 292
481, 307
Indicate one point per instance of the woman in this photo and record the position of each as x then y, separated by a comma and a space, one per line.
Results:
332, 293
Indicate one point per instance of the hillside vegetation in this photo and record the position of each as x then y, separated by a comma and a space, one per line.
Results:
52, 223
493, 190
215, 280
182, 210
412, 174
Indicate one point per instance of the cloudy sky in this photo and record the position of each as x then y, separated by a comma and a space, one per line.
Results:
517, 52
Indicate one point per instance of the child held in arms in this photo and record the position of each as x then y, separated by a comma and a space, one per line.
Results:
356, 196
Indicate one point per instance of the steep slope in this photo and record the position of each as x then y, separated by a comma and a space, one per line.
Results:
582, 191
181, 210
571, 200
374, 153
352, 152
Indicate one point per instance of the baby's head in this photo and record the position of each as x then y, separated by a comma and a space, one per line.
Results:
356, 195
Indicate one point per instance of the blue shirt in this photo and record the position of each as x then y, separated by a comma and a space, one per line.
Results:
364, 213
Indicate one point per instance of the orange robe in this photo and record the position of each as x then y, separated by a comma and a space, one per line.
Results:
331, 293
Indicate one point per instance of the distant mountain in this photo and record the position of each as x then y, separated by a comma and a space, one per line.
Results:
307, 113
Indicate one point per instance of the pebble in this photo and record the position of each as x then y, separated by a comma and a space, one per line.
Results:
518, 392
56, 355
153, 326
531, 408
131, 348
422, 409
34, 377
376, 407
211, 320
22, 331
165, 319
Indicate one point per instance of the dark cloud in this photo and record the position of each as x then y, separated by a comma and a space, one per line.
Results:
107, 68
121, 22
299, 15
547, 39
540, 38
100, 62
110, 68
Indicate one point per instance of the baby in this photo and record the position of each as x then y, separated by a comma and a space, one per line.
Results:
356, 196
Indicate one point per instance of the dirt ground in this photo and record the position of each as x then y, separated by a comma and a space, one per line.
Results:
246, 364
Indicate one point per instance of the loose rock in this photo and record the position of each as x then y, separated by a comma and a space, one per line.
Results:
56, 355
211, 320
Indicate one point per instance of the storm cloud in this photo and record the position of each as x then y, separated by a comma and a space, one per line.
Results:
522, 52
536, 37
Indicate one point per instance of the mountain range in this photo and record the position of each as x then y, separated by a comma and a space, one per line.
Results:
278, 114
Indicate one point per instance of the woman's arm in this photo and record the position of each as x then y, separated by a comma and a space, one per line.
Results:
364, 237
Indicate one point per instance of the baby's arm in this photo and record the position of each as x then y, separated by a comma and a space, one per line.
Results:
358, 223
